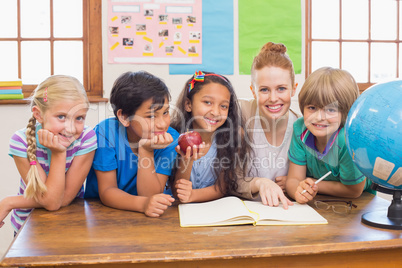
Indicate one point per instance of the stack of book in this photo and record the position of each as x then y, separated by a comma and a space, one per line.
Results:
11, 90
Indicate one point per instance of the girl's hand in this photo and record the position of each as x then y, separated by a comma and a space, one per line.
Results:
157, 204
4, 211
159, 141
271, 193
50, 140
281, 181
184, 189
311, 191
198, 152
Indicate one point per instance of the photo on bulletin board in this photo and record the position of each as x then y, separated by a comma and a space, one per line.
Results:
155, 32
217, 42
277, 21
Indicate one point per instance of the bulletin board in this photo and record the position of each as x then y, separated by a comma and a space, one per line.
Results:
218, 40
277, 21
155, 31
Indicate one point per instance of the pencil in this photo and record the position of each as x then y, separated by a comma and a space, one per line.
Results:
317, 181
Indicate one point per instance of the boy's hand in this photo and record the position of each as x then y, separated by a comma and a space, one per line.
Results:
50, 140
311, 188
159, 141
198, 152
184, 189
157, 204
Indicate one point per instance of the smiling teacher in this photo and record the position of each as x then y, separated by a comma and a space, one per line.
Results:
269, 123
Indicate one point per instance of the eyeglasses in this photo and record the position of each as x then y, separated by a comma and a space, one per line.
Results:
343, 206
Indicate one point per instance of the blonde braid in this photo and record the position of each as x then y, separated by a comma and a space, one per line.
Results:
35, 187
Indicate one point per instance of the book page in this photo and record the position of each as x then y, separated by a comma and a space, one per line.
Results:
225, 211
296, 214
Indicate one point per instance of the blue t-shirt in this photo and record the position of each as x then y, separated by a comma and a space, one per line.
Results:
114, 153
203, 171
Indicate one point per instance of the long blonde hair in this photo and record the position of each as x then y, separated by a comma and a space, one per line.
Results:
51, 91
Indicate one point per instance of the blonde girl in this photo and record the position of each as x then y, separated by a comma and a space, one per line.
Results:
54, 153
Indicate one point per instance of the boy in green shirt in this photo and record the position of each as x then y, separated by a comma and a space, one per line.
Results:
318, 143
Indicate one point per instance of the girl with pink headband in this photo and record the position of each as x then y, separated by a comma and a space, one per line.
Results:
54, 153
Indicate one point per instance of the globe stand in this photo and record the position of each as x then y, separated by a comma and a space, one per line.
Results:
391, 219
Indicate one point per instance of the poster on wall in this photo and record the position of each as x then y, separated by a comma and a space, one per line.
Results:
155, 31
217, 41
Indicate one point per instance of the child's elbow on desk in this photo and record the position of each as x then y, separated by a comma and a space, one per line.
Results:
354, 194
52, 207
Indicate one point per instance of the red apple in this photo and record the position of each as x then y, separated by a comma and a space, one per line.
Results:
189, 138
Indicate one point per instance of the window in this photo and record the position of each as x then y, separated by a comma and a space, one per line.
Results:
39, 38
360, 36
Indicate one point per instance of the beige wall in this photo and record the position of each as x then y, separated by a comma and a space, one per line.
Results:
14, 117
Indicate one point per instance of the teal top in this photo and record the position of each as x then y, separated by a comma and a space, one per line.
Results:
335, 157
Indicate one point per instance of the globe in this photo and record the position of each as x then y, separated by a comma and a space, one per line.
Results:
374, 134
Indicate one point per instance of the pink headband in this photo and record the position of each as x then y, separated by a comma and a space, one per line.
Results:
45, 98
199, 77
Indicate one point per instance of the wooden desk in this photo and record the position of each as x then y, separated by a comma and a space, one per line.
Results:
88, 233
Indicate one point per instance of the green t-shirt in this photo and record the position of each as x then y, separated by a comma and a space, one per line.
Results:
335, 157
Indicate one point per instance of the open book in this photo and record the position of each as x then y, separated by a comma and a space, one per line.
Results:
233, 211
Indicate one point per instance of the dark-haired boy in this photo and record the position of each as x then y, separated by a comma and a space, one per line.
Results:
136, 149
